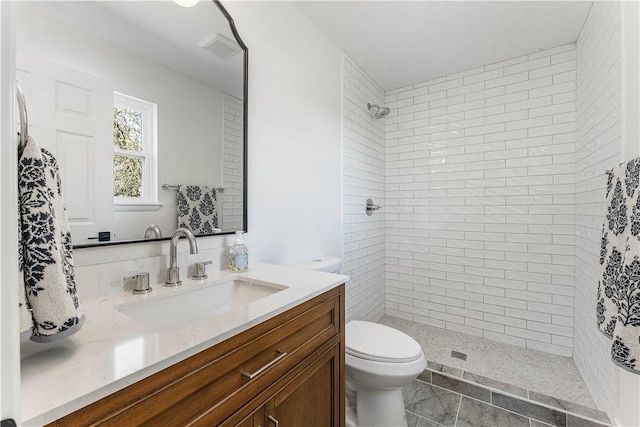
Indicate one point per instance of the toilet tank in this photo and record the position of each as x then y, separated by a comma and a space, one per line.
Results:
328, 264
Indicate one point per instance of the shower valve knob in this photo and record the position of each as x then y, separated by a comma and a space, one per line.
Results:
370, 207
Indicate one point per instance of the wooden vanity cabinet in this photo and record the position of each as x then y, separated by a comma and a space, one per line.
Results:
308, 399
296, 361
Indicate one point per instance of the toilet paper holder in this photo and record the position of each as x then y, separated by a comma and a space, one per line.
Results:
370, 207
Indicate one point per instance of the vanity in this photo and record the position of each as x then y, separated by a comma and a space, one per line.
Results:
275, 361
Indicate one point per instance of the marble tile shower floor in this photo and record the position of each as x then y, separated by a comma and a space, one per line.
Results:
497, 385
529, 369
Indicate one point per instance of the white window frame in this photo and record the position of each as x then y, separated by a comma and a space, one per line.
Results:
148, 155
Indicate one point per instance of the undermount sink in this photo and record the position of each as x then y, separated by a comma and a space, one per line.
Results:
180, 309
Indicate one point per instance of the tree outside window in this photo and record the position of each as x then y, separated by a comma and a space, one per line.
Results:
134, 151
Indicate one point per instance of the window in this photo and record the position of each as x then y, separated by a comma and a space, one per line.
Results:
134, 152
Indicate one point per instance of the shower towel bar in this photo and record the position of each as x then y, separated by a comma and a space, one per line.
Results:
22, 110
175, 187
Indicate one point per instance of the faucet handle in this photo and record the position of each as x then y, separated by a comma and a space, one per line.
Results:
141, 283
201, 270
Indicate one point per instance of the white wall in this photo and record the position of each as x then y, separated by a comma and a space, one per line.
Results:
295, 114
9, 327
364, 239
480, 201
187, 111
598, 145
627, 408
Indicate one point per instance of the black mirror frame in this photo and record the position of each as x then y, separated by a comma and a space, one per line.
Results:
245, 104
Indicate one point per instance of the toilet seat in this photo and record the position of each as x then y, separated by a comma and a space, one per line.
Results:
380, 343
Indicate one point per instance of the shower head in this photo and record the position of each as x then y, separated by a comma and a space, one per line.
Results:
378, 111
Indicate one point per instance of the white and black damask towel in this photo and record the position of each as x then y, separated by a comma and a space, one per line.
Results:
197, 208
618, 305
45, 253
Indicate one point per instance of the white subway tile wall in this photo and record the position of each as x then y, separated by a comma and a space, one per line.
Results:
233, 164
480, 201
364, 163
598, 145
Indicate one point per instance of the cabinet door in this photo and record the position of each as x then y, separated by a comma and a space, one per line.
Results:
312, 398
71, 115
255, 419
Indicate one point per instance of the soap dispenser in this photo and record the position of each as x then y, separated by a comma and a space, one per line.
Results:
238, 255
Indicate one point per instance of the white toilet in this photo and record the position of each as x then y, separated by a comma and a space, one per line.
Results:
380, 361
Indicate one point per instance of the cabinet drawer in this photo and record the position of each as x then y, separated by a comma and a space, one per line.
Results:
212, 381
309, 395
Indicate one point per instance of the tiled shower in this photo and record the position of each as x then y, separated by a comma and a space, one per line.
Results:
480, 201
491, 182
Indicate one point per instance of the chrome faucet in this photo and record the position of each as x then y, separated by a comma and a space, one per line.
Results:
152, 232
173, 274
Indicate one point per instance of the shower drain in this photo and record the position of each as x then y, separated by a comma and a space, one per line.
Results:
458, 355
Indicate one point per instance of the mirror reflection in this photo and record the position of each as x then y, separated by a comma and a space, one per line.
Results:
142, 104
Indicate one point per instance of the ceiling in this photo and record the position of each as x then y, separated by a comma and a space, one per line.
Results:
403, 42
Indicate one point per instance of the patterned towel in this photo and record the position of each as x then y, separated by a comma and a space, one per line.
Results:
197, 208
618, 305
45, 258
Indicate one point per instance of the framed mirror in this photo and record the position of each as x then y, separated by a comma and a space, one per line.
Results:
144, 105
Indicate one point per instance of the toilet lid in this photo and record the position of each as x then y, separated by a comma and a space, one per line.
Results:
380, 343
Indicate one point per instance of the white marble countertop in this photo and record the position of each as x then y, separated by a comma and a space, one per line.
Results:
112, 350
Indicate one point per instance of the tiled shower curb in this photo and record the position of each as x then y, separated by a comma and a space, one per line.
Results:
502, 399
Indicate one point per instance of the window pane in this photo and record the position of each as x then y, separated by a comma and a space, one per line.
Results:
127, 128
127, 176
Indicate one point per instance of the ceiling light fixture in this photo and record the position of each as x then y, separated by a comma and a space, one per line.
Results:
186, 3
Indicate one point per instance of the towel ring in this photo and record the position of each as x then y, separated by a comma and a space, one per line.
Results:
24, 123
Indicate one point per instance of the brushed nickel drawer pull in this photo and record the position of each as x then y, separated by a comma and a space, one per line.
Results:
251, 376
273, 420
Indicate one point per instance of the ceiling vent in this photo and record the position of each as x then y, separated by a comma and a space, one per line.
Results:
220, 46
